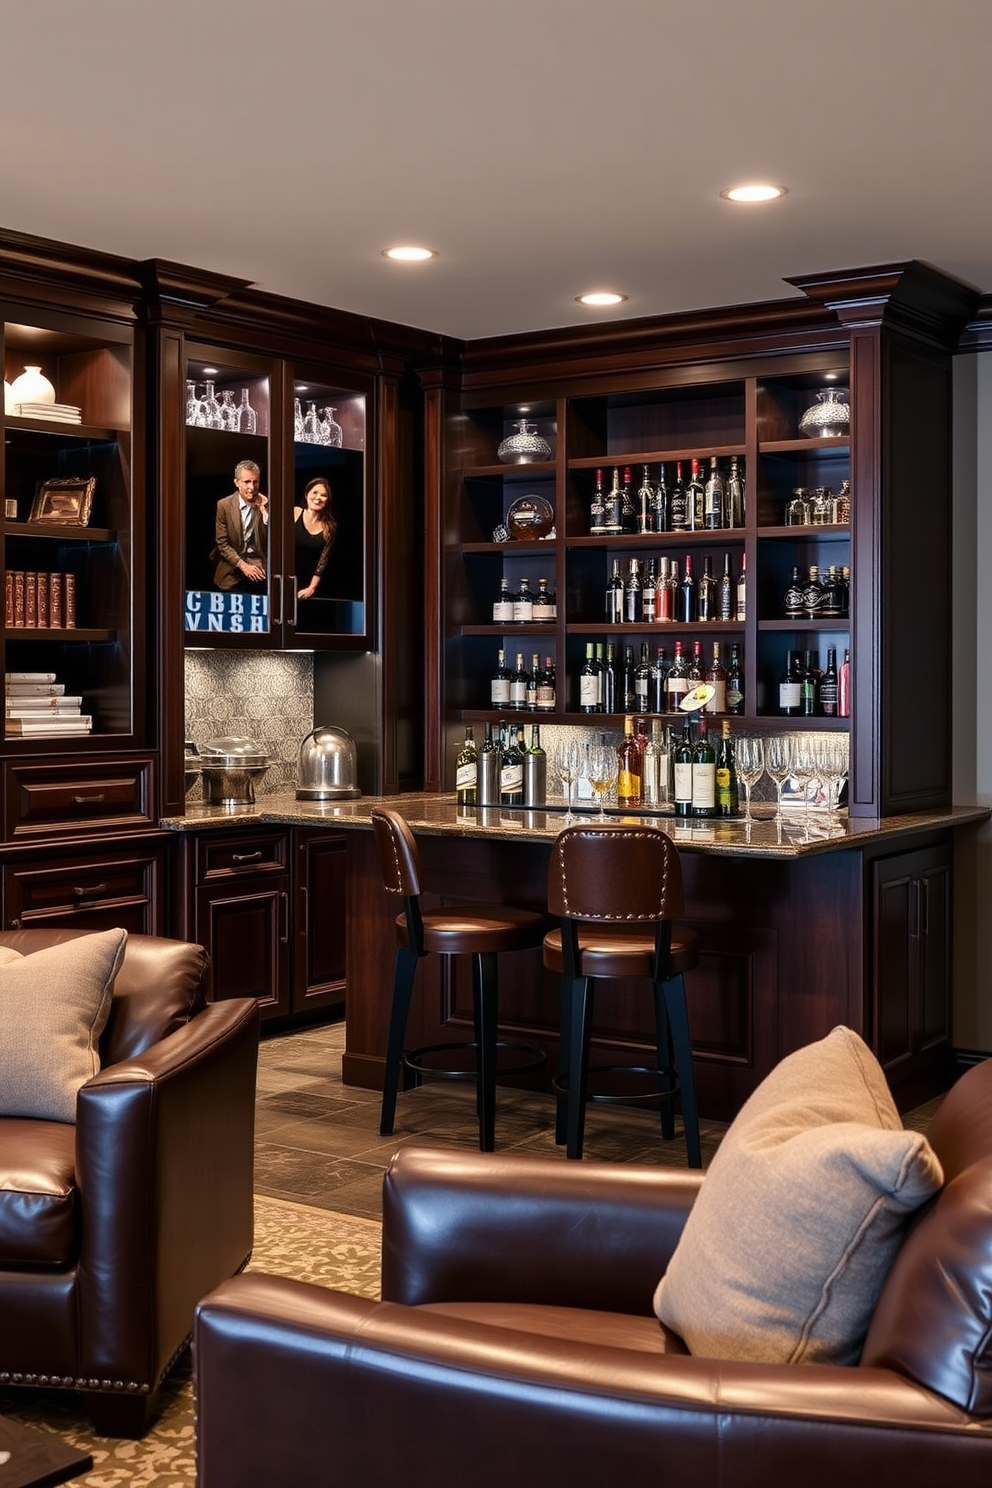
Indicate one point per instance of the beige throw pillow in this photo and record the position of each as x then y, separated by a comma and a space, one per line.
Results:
54, 1005
800, 1215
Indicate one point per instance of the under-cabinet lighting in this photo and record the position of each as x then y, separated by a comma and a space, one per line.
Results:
599, 297
409, 253
755, 192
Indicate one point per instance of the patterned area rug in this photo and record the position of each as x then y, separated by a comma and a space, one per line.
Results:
334, 1250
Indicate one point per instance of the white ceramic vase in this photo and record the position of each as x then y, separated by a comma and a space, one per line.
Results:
32, 387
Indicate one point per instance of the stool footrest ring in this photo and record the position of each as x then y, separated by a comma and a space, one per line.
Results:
415, 1060
560, 1085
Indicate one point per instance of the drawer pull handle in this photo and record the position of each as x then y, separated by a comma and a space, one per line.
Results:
89, 800
91, 892
245, 857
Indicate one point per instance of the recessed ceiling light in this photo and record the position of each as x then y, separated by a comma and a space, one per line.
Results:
210, 371
409, 253
601, 297
756, 192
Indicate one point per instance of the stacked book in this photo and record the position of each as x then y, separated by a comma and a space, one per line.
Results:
58, 413
37, 707
39, 600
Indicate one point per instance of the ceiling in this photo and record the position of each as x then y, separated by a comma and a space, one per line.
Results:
542, 147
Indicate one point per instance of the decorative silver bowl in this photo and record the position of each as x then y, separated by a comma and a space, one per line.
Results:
829, 415
523, 447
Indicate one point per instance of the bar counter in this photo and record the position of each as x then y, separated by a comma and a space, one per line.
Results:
802, 925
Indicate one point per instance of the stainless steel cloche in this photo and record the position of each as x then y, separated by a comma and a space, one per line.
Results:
328, 766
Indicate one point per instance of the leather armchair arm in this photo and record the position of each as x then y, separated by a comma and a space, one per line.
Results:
506, 1227
299, 1385
164, 1162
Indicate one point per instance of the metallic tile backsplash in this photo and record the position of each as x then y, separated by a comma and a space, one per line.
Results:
259, 695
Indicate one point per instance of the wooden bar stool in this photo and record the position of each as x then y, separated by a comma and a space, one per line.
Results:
481, 931
616, 887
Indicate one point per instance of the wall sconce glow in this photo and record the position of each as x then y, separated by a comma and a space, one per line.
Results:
756, 192
409, 253
598, 297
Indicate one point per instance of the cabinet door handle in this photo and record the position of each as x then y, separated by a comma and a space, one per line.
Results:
246, 857
925, 888
296, 599
92, 892
277, 579
284, 937
89, 800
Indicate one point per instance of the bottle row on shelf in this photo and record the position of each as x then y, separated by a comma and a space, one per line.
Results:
523, 607
36, 600
818, 595
702, 503
806, 691
659, 594
506, 771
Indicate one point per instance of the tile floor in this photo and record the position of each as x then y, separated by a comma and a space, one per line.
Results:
317, 1141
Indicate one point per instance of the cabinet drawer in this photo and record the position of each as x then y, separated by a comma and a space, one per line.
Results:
92, 891
45, 799
234, 853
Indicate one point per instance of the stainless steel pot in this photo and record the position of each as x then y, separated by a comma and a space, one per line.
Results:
230, 766
328, 769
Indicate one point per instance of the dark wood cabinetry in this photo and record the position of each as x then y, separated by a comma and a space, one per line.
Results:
911, 1012
87, 885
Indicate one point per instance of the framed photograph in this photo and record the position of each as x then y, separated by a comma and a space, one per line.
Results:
69, 501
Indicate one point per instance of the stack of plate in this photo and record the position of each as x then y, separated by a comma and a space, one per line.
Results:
57, 413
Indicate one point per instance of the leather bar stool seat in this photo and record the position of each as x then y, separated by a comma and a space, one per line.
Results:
616, 888
481, 931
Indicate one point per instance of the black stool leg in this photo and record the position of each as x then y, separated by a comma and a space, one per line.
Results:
678, 1022
561, 1099
663, 1049
578, 1063
406, 966
484, 977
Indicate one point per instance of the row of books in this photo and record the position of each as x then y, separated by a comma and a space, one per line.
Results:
37, 705
35, 600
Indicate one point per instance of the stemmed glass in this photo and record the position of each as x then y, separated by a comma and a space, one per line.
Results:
567, 764
833, 756
778, 763
602, 768
750, 765
805, 766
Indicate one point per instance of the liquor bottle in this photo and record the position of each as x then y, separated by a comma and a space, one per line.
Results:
809, 687
628, 510
489, 766
545, 608
734, 496
652, 765
703, 774
612, 522
727, 802
518, 684
659, 503
500, 686
687, 594
533, 682
828, 686
792, 599
609, 687
844, 687
628, 767
845, 590
725, 592
600, 655
678, 504
697, 674
694, 494
615, 596
597, 508
741, 612
717, 678
830, 584
713, 497
546, 688
735, 683
659, 671
842, 503
683, 771
664, 602
706, 592
523, 604
812, 593
503, 604
467, 770
645, 504
589, 682
642, 681
632, 593
511, 771
790, 696
535, 771
649, 595
677, 680
627, 692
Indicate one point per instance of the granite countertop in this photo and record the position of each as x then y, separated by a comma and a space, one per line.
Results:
439, 816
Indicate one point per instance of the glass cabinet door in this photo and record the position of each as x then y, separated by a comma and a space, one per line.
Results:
325, 558
231, 535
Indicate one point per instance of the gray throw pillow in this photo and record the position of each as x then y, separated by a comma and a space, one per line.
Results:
800, 1215
54, 1005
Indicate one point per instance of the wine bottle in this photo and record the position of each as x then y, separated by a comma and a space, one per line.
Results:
741, 612
659, 503
809, 687
535, 771
489, 767
615, 596
703, 774
511, 772
533, 682
664, 604
734, 496
546, 687
467, 770
697, 675
629, 688
544, 610
597, 508
790, 695
678, 504
500, 685
518, 684
649, 594
503, 604
735, 683
713, 497
628, 511
523, 604
632, 593
600, 655
628, 767
828, 686
792, 599
677, 680
645, 504
612, 515
609, 687
642, 681
727, 802
589, 682
706, 592
717, 679
683, 771
659, 671
687, 594
651, 768
725, 592
844, 687
694, 498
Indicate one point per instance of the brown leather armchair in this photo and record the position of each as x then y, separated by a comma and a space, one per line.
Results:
112, 1229
516, 1345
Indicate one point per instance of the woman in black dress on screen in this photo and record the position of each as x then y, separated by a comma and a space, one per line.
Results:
314, 532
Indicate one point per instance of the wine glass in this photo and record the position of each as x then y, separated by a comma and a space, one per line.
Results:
602, 767
805, 766
833, 764
778, 763
750, 765
567, 764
